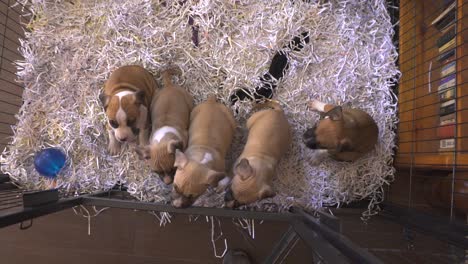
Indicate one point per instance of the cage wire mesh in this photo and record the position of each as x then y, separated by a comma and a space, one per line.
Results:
432, 108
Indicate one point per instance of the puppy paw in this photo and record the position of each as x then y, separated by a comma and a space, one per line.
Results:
114, 149
316, 105
314, 162
222, 184
317, 157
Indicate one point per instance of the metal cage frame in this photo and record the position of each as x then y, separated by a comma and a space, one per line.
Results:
319, 231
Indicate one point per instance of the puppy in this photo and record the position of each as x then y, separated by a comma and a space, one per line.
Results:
170, 117
268, 140
126, 98
346, 135
212, 127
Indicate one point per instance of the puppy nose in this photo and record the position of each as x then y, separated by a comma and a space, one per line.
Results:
181, 203
135, 130
309, 133
310, 143
228, 196
309, 139
167, 179
230, 204
123, 139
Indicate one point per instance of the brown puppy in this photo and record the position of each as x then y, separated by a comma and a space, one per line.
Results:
126, 98
269, 139
346, 135
170, 117
212, 127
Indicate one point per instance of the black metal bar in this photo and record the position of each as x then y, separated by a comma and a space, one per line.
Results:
8, 194
29, 213
12, 205
4, 178
10, 201
37, 198
343, 244
329, 220
7, 185
282, 247
108, 202
318, 244
451, 232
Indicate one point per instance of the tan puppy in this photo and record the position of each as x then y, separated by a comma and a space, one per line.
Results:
212, 127
170, 117
269, 139
126, 98
346, 135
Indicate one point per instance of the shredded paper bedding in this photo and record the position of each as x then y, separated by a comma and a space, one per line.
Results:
72, 46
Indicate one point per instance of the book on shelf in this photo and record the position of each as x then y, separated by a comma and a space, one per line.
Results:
446, 18
448, 68
447, 107
453, 26
447, 82
446, 131
447, 144
449, 45
444, 13
447, 56
447, 94
447, 36
447, 119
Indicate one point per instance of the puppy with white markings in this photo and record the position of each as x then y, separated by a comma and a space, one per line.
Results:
343, 134
212, 127
170, 117
268, 140
126, 98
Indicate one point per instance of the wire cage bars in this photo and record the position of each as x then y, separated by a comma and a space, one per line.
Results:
424, 214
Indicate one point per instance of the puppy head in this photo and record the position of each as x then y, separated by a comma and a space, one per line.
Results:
328, 133
191, 180
123, 111
245, 188
160, 157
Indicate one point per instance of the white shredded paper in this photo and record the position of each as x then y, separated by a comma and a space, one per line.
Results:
72, 47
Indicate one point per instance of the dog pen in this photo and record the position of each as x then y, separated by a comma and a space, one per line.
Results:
427, 203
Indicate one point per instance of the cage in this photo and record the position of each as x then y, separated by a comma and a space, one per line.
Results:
423, 217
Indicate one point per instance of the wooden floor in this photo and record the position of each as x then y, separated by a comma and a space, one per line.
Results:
126, 236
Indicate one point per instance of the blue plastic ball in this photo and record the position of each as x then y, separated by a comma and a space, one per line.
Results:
48, 162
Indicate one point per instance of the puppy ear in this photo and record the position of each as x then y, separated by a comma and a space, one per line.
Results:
143, 153
243, 169
173, 145
213, 177
104, 100
335, 114
266, 192
139, 97
180, 159
344, 145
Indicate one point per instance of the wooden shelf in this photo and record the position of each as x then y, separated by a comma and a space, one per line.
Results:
418, 89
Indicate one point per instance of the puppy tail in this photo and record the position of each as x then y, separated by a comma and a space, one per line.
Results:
167, 75
268, 103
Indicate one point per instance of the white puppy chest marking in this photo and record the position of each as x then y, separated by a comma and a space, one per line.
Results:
206, 158
121, 116
162, 132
